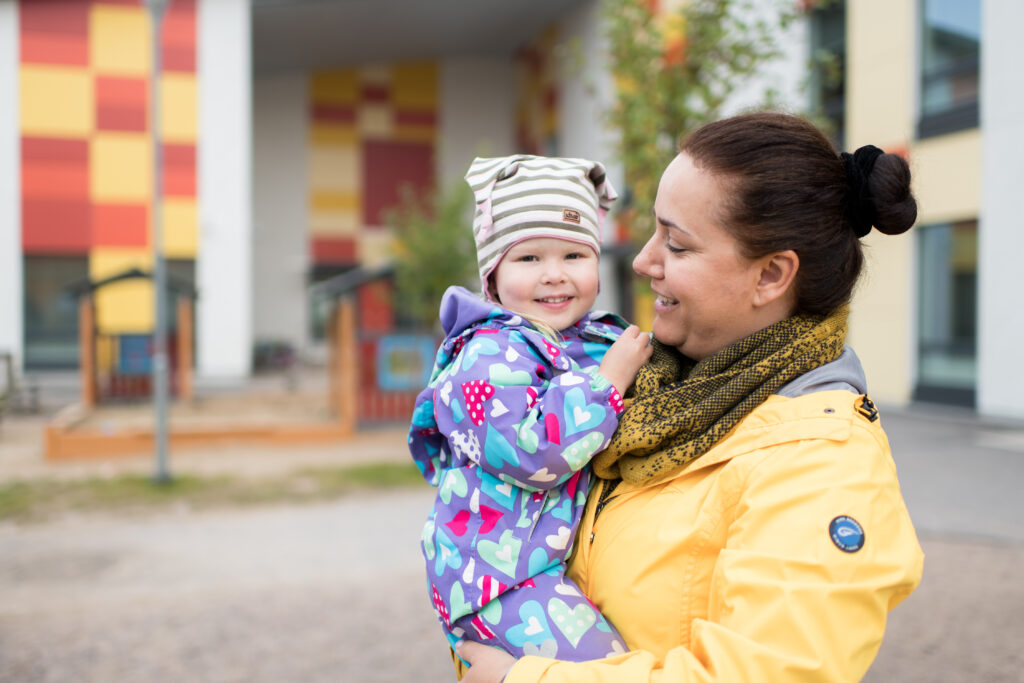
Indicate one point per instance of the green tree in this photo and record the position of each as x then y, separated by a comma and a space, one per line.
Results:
674, 70
433, 248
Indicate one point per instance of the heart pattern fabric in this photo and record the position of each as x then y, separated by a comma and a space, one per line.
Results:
506, 429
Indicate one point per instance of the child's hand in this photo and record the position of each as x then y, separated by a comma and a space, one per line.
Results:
624, 358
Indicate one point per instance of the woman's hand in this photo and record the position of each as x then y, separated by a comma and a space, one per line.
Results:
487, 664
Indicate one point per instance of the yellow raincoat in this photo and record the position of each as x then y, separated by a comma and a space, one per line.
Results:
748, 565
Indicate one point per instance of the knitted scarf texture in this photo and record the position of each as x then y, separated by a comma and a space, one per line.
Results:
680, 408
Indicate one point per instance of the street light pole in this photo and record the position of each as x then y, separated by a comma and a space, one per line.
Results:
156, 10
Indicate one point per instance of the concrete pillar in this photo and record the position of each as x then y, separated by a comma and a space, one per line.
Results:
11, 281
281, 201
224, 262
477, 114
1000, 237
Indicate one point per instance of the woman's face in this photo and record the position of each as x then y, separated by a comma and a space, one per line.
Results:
706, 289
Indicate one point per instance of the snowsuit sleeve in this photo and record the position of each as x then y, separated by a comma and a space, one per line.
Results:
786, 603
519, 407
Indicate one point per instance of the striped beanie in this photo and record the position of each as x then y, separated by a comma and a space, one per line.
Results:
521, 197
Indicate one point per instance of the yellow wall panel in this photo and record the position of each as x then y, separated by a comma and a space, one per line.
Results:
119, 40
414, 86
56, 101
880, 73
325, 200
106, 354
334, 223
178, 107
947, 177
335, 167
124, 307
335, 87
120, 167
180, 228
334, 135
414, 134
375, 248
376, 121
880, 86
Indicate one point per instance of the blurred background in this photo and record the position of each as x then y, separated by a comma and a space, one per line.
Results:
300, 137
313, 211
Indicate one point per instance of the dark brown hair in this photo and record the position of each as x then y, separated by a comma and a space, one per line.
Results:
787, 188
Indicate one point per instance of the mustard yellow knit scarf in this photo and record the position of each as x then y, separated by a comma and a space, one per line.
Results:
680, 409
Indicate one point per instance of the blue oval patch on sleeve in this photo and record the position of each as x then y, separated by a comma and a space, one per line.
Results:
846, 533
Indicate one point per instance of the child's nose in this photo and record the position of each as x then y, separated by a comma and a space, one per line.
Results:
554, 272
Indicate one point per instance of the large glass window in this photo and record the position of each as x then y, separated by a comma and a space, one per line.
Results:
320, 308
947, 312
828, 60
51, 313
950, 55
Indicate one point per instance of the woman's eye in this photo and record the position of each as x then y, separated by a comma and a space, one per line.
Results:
674, 249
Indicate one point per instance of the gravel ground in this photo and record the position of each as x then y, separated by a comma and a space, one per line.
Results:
321, 592
333, 591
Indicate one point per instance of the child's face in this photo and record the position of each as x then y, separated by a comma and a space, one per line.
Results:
550, 279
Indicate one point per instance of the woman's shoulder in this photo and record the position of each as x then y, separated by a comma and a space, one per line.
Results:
829, 421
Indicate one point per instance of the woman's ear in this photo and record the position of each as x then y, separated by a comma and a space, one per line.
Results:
778, 271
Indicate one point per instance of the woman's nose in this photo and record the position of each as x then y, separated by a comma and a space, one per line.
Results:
646, 262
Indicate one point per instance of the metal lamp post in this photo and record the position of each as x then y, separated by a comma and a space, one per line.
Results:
156, 9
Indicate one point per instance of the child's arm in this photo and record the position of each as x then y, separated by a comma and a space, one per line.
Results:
528, 417
624, 358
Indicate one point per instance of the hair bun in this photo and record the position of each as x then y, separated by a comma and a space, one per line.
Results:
889, 189
879, 192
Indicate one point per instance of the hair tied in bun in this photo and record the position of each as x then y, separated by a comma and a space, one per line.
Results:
858, 168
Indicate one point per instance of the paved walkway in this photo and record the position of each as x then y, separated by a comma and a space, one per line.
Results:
333, 592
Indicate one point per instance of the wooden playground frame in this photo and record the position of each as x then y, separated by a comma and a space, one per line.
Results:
67, 438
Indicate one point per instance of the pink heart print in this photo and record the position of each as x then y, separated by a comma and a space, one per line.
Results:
442, 609
490, 518
531, 397
490, 588
482, 629
616, 400
475, 393
458, 525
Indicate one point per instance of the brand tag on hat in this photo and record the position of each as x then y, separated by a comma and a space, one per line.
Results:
571, 216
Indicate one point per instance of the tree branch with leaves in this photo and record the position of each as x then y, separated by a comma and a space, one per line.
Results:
674, 70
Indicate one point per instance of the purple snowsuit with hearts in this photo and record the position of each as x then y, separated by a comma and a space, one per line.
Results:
505, 430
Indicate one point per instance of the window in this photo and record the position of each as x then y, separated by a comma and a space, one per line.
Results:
51, 313
947, 313
828, 71
320, 307
950, 55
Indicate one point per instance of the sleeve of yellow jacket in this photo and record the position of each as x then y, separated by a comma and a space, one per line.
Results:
786, 603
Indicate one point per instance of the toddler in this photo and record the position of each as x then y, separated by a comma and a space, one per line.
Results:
526, 388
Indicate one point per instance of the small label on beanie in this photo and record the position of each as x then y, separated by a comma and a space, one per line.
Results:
571, 216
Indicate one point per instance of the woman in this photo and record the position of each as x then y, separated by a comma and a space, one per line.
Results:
748, 525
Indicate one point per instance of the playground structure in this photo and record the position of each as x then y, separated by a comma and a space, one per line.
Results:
372, 377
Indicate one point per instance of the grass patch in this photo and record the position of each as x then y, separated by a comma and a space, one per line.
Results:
43, 499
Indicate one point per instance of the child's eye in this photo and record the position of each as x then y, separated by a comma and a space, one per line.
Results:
527, 257
574, 255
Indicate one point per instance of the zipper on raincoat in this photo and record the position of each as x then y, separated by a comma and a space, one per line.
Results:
604, 496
